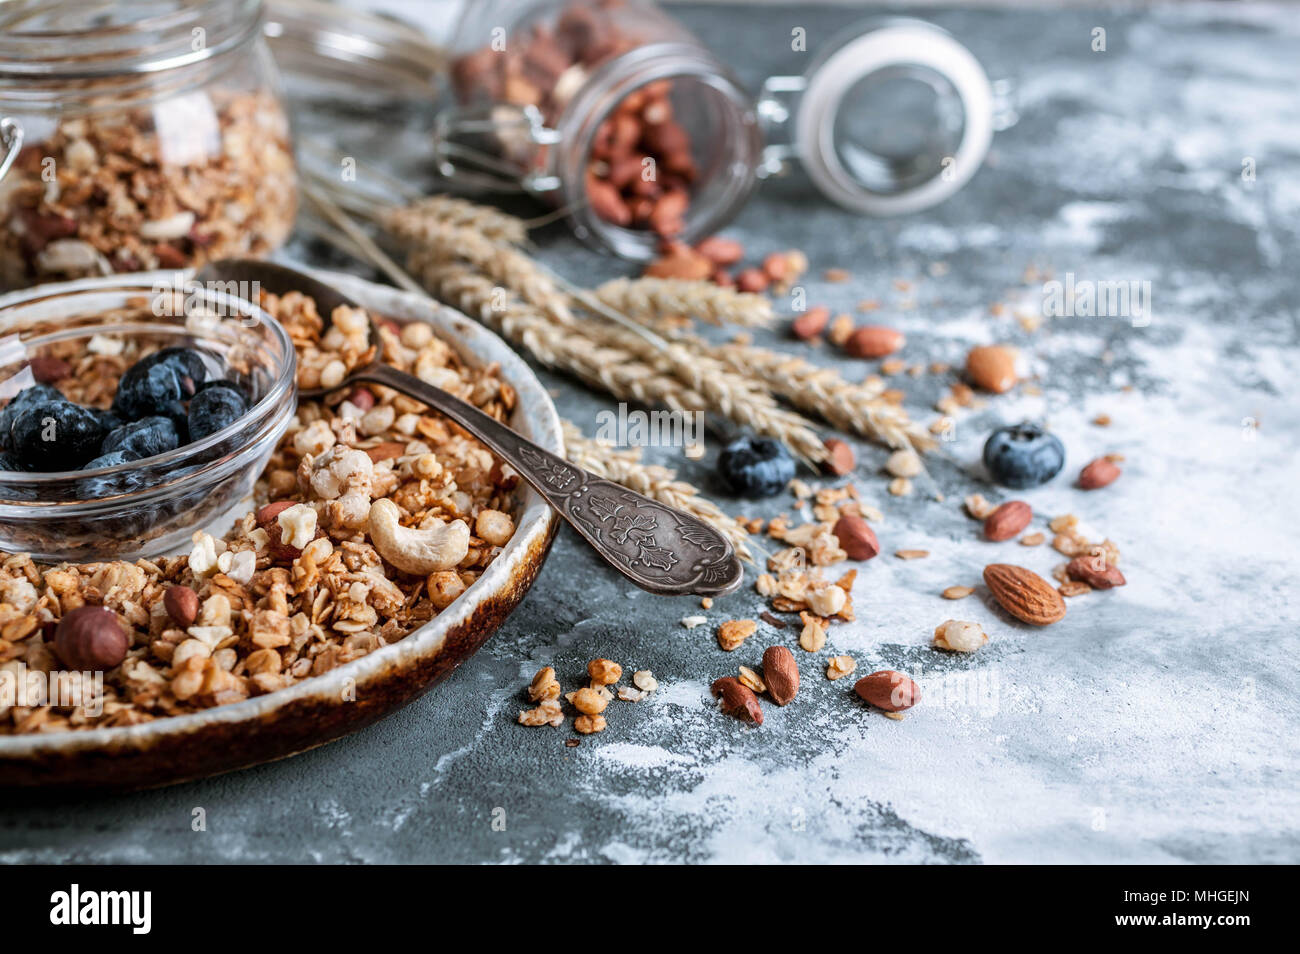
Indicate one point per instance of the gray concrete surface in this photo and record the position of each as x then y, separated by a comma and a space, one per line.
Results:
1156, 723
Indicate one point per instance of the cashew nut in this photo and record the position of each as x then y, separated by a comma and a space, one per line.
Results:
420, 552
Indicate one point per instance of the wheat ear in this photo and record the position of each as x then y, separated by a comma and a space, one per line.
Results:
564, 348
413, 223
620, 361
623, 466
504, 264
856, 408
650, 300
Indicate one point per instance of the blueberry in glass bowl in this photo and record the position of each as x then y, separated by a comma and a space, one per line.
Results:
91, 469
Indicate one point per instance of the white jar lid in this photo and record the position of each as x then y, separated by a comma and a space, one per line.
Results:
870, 161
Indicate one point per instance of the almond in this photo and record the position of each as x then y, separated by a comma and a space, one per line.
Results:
666, 219
842, 460
1097, 474
737, 699
888, 690
781, 673
752, 280
874, 341
1095, 571
992, 367
268, 519
721, 251
856, 537
385, 451
607, 203
182, 605
1008, 520
1024, 594
811, 323
268, 514
684, 263
776, 266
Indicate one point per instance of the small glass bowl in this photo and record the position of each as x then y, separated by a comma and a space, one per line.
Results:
149, 507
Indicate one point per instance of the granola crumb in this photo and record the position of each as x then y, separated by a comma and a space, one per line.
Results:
752, 679
604, 672
544, 685
840, 666
589, 724
1032, 539
957, 592
644, 680
911, 554
813, 636
733, 632
547, 713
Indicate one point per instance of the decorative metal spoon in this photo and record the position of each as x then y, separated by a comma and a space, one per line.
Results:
658, 548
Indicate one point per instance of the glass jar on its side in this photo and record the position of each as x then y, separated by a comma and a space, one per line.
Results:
143, 136
609, 107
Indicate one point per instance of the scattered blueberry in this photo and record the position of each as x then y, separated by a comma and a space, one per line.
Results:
36, 394
55, 435
1023, 455
143, 438
756, 466
214, 408
159, 384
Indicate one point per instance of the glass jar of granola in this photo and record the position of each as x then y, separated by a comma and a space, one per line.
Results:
137, 136
616, 112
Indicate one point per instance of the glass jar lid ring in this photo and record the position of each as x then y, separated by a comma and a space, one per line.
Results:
895, 45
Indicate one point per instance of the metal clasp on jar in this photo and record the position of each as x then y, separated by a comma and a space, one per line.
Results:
501, 147
11, 139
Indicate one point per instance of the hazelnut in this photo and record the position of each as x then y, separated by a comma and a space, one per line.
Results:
842, 459
182, 605
90, 639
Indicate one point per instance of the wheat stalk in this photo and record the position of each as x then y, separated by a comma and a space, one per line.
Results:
650, 300
620, 361
565, 348
413, 223
623, 466
857, 408
504, 264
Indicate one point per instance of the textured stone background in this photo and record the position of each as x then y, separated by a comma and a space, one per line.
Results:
1157, 723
